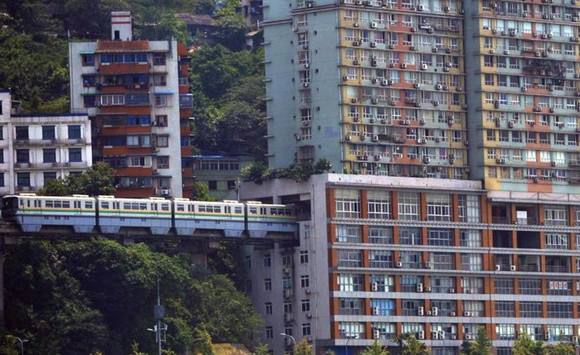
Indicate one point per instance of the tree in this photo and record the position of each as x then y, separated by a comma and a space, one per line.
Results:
200, 192
303, 347
411, 346
203, 343
560, 349
375, 349
480, 346
525, 345
262, 349
96, 180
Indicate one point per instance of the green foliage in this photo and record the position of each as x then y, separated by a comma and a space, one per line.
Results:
375, 349
560, 349
303, 347
411, 346
262, 349
203, 343
480, 346
135, 349
9, 345
163, 25
525, 345
258, 172
81, 297
97, 180
200, 192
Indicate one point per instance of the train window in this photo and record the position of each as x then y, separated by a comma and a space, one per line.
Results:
153, 207
227, 209
116, 205
263, 211
65, 204
127, 206
28, 203
105, 205
180, 207
238, 210
48, 204
165, 207
36, 203
190, 208
88, 204
142, 206
253, 210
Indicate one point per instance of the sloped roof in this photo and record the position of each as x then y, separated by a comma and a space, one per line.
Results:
199, 20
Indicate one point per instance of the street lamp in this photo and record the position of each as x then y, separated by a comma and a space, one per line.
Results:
21, 344
292, 339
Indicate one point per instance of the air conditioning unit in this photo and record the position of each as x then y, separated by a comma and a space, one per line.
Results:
374, 25
467, 314
435, 335
419, 287
399, 264
421, 311
438, 87
512, 267
373, 44
427, 264
434, 311
376, 139
428, 289
421, 335
451, 290
420, 8
165, 192
376, 311
497, 267
424, 66
374, 286
469, 336
426, 160
348, 138
420, 141
403, 65
452, 314
376, 334
309, 315
307, 291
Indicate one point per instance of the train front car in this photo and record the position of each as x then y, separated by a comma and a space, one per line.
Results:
263, 219
9, 207
153, 214
33, 213
192, 216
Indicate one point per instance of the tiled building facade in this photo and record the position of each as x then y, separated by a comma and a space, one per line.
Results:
384, 256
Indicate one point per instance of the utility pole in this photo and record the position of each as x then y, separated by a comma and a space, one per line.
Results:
159, 328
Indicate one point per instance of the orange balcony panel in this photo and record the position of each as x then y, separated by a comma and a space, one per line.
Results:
123, 130
125, 110
184, 89
105, 46
181, 49
187, 172
186, 151
537, 91
134, 171
124, 151
124, 68
185, 112
135, 192
540, 186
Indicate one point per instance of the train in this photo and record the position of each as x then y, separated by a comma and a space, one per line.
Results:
160, 216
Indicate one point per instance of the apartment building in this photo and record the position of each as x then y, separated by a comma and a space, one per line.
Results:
437, 258
220, 173
396, 69
136, 93
524, 94
36, 148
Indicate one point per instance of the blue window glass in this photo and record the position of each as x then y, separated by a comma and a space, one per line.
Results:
141, 57
383, 307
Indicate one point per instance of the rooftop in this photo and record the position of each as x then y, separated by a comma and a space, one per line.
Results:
199, 20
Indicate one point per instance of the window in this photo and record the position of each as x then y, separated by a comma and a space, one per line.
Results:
267, 260
504, 286
469, 208
531, 309
505, 331
75, 155
410, 236
382, 283
379, 204
352, 330
350, 306
22, 156
268, 307
383, 331
504, 309
350, 282
162, 141
348, 234
22, 132
162, 100
470, 238
161, 121
530, 287
408, 206
268, 284
212, 185
380, 258
382, 307
560, 310
88, 60
472, 285
49, 155
48, 132
305, 329
347, 204
2, 182
442, 261
380, 235
74, 132
555, 215
1, 154
304, 257
442, 284
269, 333
471, 262
438, 207
556, 241
158, 58
162, 162
473, 308
350, 258
305, 305
440, 237
49, 175
23, 179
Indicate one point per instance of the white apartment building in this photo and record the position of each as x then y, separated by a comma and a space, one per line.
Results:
40, 147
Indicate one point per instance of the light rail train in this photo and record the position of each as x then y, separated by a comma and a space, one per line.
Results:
160, 216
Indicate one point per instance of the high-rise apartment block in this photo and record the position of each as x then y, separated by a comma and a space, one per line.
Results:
523, 94
136, 94
379, 257
448, 89
472, 110
36, 148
